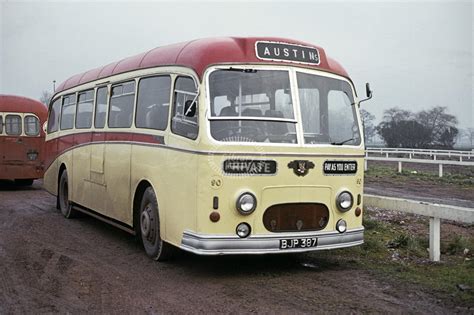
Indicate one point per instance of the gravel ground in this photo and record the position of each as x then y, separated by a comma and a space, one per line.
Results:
50, 264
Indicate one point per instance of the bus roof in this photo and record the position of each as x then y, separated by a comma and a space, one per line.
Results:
20, 104
200, 54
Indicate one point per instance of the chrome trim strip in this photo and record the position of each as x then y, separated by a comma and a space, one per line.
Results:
204, 244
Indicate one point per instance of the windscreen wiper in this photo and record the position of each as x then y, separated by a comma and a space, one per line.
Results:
342, 142
242, 70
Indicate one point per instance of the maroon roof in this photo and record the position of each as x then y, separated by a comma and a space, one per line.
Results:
20, 104
198, 55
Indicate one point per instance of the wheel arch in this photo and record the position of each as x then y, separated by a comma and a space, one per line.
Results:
137, 198
62, 168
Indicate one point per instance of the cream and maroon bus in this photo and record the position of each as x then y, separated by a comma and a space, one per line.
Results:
214, 146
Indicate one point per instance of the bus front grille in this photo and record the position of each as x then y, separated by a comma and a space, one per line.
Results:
295, 217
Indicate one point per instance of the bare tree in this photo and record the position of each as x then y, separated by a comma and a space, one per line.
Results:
368, 124
441, 125
397, 114
45, 97
430, 128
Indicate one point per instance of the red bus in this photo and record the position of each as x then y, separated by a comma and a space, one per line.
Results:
21, 139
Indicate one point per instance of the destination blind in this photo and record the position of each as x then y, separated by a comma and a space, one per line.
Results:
287, 52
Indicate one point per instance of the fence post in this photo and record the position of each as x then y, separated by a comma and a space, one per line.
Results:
434, 238
440, 170
399, 166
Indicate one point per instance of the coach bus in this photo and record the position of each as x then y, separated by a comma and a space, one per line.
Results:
215, 146
21, 139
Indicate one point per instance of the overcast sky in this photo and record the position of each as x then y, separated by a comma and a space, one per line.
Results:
416, 55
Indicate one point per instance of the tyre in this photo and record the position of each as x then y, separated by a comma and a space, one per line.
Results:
24, 182
149, 228
63, 197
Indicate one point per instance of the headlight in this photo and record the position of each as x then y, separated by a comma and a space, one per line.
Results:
344, 201
243, 230
341, 226
246, 203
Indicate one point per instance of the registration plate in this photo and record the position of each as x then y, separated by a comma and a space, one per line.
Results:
305, 242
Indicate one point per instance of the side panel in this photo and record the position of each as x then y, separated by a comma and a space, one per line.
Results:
98, 189
81, 166
173, 175
117, 180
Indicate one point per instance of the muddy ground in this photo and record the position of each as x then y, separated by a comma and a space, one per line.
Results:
50, 264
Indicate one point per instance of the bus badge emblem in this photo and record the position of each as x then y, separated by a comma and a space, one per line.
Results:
301, 167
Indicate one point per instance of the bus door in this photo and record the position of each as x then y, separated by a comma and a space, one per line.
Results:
118, 151
96, 198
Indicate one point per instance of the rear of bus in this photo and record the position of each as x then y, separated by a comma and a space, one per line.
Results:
21, 139
284, 169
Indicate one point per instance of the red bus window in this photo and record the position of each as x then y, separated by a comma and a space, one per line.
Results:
1, 125
31, 125
13, 125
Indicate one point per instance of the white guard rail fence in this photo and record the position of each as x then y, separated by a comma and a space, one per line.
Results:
436, 212
424, 156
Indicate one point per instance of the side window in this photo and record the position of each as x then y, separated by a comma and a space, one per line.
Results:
54, 116
121, 105
185, 108
13, 125
68, 111
84, 109
31, 125
153, 102
1, 125
100, 107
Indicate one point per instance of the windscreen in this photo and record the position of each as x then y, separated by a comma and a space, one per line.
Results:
327, 109
252, 105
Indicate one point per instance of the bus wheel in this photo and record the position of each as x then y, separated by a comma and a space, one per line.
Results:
149, 228
63, 194
24, 182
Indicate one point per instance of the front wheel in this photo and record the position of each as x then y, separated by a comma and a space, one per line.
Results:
149, 228
63, 195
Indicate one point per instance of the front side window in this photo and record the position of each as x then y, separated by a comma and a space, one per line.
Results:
328, 112
185, 108
84, 109
100, 107
13, 125
32, 125
121, 105
53, 120
1, 125
68, 112
249, 105
153, 102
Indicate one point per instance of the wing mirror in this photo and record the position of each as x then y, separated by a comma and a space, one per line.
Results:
368, 93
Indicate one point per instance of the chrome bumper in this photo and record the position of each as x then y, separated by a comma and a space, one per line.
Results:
203, 244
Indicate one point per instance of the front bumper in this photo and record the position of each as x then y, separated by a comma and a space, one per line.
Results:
203, 244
